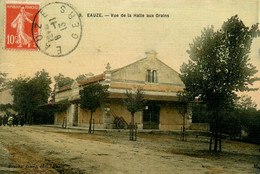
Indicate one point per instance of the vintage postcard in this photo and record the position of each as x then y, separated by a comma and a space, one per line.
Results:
129, 86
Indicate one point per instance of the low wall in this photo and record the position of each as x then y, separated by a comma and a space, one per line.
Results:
171, 127
200, 126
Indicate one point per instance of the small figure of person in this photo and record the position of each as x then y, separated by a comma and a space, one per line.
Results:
15, 121
19, 24
5, 119
64, 123
21, 120
10, 121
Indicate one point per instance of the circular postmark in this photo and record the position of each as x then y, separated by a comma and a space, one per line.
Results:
59, 29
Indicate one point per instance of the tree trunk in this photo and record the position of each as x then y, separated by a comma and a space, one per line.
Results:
211, 134
220, 132
183, 127
220, 137
210, 143
216, 140
133, 119
90, 123
240, 129
26, 118
217, 126
132, 128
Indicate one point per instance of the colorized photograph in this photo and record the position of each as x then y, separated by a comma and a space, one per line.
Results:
129, 86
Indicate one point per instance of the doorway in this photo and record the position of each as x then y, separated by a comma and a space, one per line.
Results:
151, 116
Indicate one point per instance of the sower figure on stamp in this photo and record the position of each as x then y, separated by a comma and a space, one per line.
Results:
19, 24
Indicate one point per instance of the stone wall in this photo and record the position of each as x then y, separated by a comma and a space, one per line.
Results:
170, 118
120, 109
84, 116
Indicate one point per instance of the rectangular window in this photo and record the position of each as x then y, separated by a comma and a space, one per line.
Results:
151, 76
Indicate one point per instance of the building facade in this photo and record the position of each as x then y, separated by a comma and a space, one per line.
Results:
159, 83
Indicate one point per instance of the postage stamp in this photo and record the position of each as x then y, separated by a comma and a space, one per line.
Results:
19, 17
60, 29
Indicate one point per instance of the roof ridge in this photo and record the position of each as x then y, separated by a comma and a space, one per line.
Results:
115, 70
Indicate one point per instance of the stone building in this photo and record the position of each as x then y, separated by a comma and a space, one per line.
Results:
159, 82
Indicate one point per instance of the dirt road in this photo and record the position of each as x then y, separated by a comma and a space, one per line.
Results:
35, 149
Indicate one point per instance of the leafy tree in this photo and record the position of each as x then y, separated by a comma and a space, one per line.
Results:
20, 92
245, 118
218, 67
92, 97
81, 77
238, 120
30, 93
245, 102
134, 103
199, 113
5, 108
42, 82
252, 125
231, 123
61, 80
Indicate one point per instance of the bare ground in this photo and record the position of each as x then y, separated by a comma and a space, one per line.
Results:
35, 149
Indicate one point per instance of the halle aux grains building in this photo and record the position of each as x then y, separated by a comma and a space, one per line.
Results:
159, 82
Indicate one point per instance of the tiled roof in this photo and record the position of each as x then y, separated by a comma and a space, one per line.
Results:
65, 88
96, 78
93, 79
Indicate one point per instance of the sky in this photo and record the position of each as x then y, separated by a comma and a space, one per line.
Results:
123, 40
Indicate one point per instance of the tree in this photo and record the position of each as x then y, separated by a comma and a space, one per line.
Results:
199, 113
81, 77
182, 107
5, 108
218, 67
245, 102
92, 97
244, 117
30, 93
252, 125
61, 80
134, 103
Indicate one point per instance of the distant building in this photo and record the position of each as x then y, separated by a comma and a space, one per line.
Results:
159, 82
6, 98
